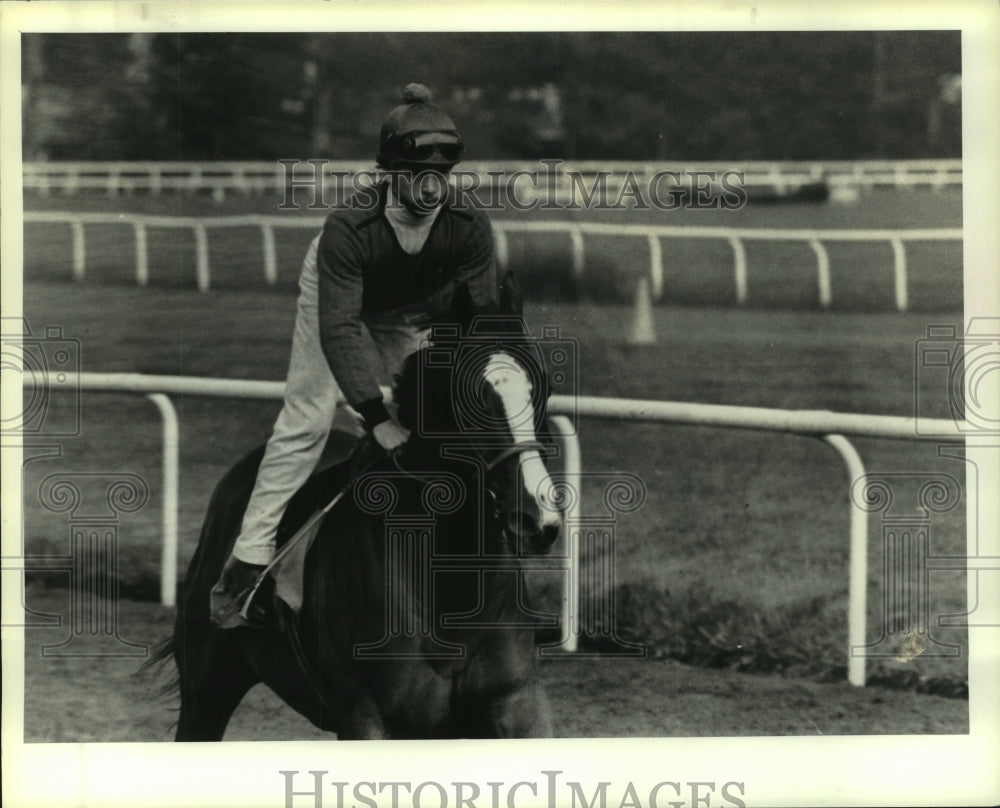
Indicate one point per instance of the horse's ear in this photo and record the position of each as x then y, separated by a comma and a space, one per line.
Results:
511, 298
422, 393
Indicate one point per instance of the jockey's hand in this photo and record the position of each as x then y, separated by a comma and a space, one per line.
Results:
390, 435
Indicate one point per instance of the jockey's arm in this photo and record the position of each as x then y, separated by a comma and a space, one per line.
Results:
347, 344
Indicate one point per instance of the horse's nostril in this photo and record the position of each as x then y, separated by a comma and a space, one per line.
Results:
549, 535
523, 524
541, 541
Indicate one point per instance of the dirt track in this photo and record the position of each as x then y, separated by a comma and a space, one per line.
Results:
101, 699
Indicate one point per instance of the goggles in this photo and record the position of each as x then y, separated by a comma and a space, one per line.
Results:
423, 147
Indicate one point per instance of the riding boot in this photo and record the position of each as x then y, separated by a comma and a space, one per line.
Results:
230, 593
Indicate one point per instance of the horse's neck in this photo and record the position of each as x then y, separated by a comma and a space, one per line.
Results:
457, 561
460, 536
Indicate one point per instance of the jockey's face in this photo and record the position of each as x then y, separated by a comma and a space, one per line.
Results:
422, 188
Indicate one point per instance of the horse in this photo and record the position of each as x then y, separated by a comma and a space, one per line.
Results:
384, 646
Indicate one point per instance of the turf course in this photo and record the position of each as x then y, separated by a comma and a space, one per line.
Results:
738, 557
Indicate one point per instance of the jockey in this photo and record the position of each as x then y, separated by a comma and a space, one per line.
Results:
371, 284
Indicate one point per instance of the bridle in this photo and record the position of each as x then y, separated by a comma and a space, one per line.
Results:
514, 449
489, 464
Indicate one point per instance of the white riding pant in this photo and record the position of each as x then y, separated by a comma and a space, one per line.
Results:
300, 432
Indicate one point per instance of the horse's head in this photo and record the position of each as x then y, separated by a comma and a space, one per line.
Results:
487, 399
517, 480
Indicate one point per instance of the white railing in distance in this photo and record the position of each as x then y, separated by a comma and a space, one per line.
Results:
576, 231
245, 177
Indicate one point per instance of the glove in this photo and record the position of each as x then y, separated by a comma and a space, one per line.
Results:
390, 435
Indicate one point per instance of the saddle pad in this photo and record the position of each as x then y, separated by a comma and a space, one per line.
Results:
332, 477
289, 572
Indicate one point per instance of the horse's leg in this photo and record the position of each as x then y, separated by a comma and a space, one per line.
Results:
214, 678
522, 714
348, 709
363, 727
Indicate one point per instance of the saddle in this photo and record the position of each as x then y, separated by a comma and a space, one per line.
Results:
281, 590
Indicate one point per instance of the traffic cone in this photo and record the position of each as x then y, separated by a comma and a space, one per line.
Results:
643, 331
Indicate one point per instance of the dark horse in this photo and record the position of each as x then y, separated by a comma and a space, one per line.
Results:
414, 621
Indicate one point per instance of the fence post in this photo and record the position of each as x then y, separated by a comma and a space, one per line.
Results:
775, 179
171, 466
240, 180
822, 272
500, 247
576, 239
270, 256
899, 273
141, 254
739, 268
79, 251
940, 178
113, 181
857, 598
201, 252
656, 266
569, 620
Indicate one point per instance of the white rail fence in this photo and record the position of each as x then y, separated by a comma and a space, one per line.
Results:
503, 229
262, 177
831, 427
736, 238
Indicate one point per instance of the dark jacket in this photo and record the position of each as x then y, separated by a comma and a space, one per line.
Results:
365, 276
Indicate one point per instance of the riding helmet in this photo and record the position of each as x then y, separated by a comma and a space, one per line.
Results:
418, 132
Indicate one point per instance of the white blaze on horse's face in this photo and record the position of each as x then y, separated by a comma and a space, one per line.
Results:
513, 386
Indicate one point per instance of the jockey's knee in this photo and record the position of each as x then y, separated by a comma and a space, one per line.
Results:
302, 438
305, 419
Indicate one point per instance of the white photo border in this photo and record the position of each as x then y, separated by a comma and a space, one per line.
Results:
795, 771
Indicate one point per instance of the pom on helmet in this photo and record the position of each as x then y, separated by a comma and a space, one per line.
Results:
416, 93
418, 132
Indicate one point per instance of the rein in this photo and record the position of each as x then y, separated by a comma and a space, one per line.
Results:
490, 464
515, 449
